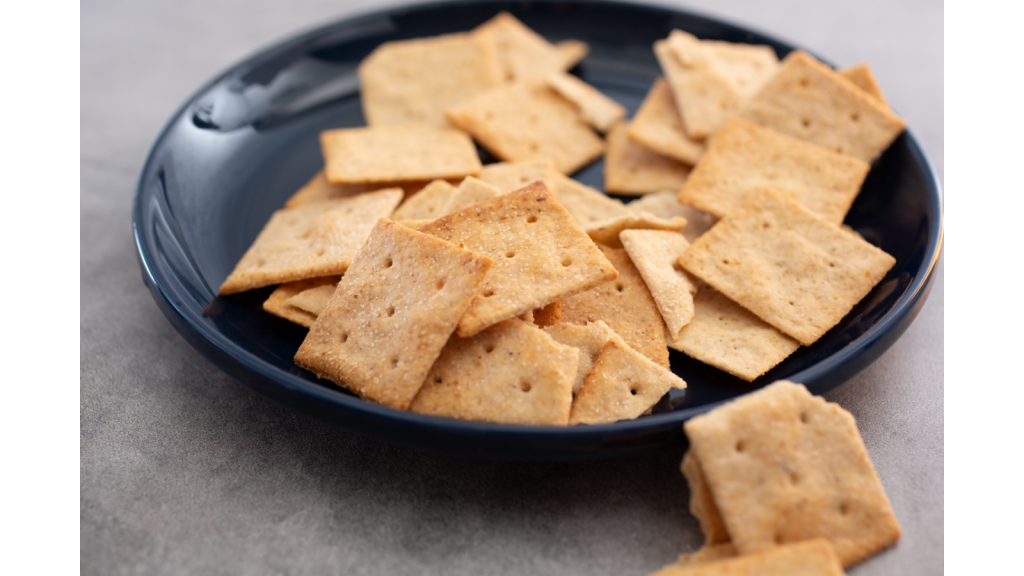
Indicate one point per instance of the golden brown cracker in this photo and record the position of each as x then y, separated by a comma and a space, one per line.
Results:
590, 339
595, 108
522, 53
630, 168
509, 176
702, 506
397, 153
572, 52
607, 231
658, 126
863, 78
814, 557
470, 191
549, 315
712, 553
703, 98
314, 300
278, 305
587, 205
655, 253
665, 205
426, 204
746, 66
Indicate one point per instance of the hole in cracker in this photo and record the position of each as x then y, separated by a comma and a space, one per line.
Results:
390, 311
440, 283
343, 337
534, 147
524, 386
320, 252
855, 116
725, 260
531, 219
260, 262
844, 509
806, 122
510, 254
831, 264
394, 363
489, 293
839, 149
488, 348
634, 391
804, 417
438, 379
794, 477
778, 538
740, 445
388, 262
620, 287
803, 82
566, 261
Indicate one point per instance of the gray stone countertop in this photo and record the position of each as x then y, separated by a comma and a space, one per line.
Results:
185, 471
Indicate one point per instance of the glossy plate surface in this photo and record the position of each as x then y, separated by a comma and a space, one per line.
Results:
248, 140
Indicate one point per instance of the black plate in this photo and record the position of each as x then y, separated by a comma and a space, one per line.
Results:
248, 139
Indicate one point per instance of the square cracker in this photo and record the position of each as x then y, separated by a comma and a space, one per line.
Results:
702, 504
540, 254
310, 241
587, 205
470, 191
510, 373
658, 126
729, 337
415, 81
403, 287
425, 204
622, 385
590, 339
863, 78
743, 156
278, 305
313, 300
785, 466
655, 253
509, 176
397, 153
607, 232
808, 100
595, 108
625, 305
522, 53
665, 205
630, 168
814, 557
785, 264
528, 120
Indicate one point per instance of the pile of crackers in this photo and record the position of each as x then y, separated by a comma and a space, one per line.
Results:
512, 293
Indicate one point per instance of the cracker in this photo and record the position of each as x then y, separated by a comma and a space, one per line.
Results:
743, 157
528, 120
729, 337
792, 269
712, 553
808, 100
702, 506
278, 305
471, 191
626, 306
310, 241
622, 385
590, 339
587, 205
415, 81
572, 52
655, 253
425, 204
397, 153
630, 168
595, 108
658, 126
607, 231
416, 224
403, 287
549, 315
540, 254
703, 98
522, 53
314, 300
786, 466
811, 558
665, 205
511, 373
863, 78
509, 176
745, 66
319, 189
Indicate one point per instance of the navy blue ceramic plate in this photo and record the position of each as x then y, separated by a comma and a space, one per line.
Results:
248, 139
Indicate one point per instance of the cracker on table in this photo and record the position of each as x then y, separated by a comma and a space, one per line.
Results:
587, 205
510, 373
572, 52
470, 191
702, 506
310, 241
665, 205
658, 126
403, 287
595, 108
522, 53
425, 204
313, 300
527, 120
509, 176
590, 339
808, 100
814, 557
863, 78
785, 264
540, 254
625, 305
607, 231
397, 153
415, 81
655, 253
622, 385
630, 168
742, 157
785, 466
729, 337
278, 305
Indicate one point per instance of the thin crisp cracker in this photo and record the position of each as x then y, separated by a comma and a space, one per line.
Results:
511, 373
607, 231
595, 108
572, 52
587, 205
522, 53
655, 253
808, 100
509, 176
665, 205
590, 339
470, 191
785, 466
630, 168
310, 241
278, 305
403, 287
549, 315
863, 78
397, 153
626, 306
814, 557
743, 157
528, 120
540, 254
426, 204
315, 299
658, 126
702, 506
785, 264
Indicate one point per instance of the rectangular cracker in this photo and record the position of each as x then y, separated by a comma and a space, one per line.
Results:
863, 78
313, 300
310, 241
665, 205
702, 506
509, 176
655, 253
658, 126
522, 53
403, 287
785, 466
511, 373
630, 168
540, 254
729, 337
587, 205
625, 305
415, 81
470, 191
278, 305
622, 385
528, 120
590, 339
808, 100
607, 232
743, 156
397, 153
595, 108
785, 264
426, 204
810, 558
703, 98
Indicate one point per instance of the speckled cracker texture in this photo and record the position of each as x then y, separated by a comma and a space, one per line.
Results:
278, 305
426, 204
313, 300
792, 269
470, 191
587, 205
630, 168
511, 373
590, 339
658, 126
522, 53
655, 253
811, 558
310, 241
595, 108
392, 314
509, 176
743, 157
540, 254
863, 78
397, 153
702, 504
785, 466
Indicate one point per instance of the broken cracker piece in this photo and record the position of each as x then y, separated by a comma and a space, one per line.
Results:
658, 126
470, 191
426, 204
522, 53
278, 303
595, 108
664, 205
655, 253
587, 205
590, 339
630, 168
313, 300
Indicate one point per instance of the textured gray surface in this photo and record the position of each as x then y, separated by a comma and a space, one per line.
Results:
184, 471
